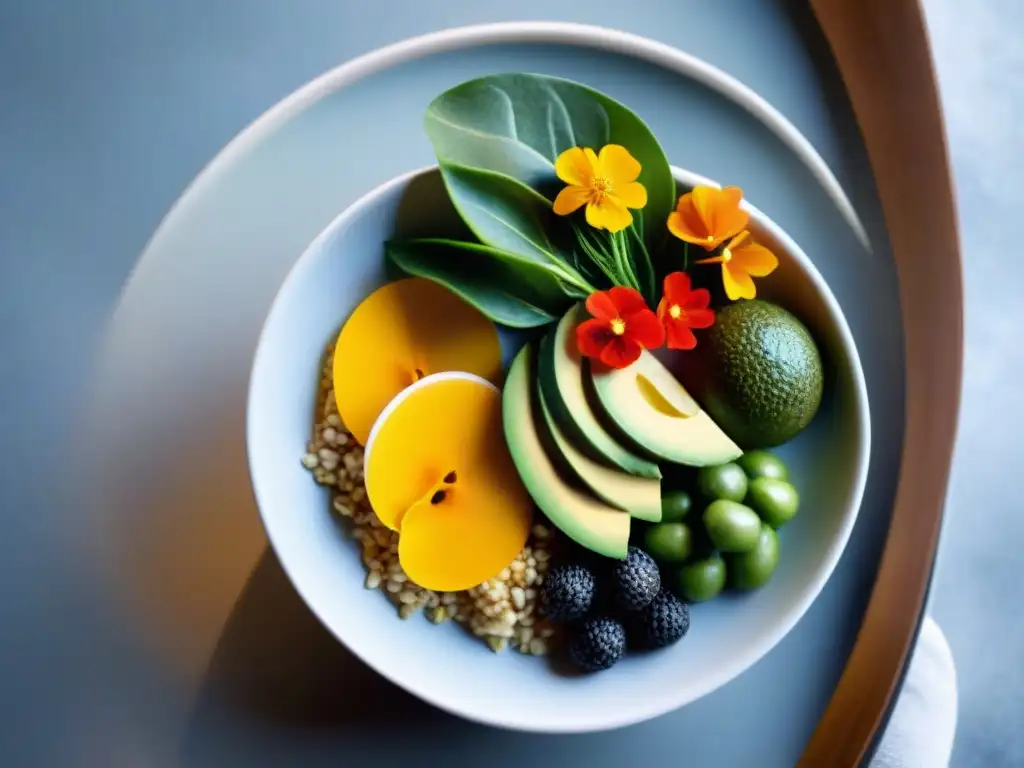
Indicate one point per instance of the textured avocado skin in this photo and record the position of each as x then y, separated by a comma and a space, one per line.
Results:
757, 372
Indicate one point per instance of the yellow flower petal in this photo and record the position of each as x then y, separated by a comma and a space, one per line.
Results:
570, 199
576, 166
617, 165
700, 199
754, 259
688, 221
709, 216
730, 197
738, 284
632, 195
680, 226
727, 218
609, 214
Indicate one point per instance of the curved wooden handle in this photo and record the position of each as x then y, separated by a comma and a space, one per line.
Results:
884, 57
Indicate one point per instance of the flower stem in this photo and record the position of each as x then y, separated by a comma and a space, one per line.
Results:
620, 250
647, 263
597, 255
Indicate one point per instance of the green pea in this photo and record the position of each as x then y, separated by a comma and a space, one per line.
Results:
776, 501
669, 542
763, 464
753, 569
732, 527
701, 580
675, 505
726, 481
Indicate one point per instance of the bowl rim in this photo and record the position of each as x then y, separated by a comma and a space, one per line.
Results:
655, 706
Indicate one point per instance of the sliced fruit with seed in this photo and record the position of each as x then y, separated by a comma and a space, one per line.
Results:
437, 470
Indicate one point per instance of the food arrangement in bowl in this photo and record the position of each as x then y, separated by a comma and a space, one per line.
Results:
589, 498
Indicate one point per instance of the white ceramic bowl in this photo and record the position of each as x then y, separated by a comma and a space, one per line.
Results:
443, 665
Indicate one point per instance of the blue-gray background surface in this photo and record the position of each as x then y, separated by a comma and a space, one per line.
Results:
109, 108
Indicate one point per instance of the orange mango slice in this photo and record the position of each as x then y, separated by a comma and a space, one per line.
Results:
437, 470
400, 333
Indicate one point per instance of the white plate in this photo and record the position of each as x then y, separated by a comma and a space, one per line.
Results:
182, 532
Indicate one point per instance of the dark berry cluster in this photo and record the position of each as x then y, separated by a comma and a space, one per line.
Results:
613, 604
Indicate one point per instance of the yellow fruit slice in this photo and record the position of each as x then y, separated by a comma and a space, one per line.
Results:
399, 334
464, 540
437, 469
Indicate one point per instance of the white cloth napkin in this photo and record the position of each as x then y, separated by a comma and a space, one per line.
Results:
920, 732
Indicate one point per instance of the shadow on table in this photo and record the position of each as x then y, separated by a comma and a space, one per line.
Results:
277, 666
280, 690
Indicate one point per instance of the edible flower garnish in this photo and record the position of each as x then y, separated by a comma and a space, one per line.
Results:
606, 183
622, 327
742, 260
707, 216
681, 309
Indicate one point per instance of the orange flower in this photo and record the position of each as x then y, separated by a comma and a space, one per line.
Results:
605, 182
707, 216
682, 309
742, 260
621, 328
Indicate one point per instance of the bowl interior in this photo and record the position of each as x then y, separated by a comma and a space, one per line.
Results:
443, 665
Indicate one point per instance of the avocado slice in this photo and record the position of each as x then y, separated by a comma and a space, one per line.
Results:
651, 408
639, 496
560, 371
590, 522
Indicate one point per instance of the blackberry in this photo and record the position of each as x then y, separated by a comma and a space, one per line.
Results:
661, 623
598, 644
567, 592
634, 581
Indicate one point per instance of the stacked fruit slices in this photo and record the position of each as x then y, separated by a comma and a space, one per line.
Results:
416, 375
586, 441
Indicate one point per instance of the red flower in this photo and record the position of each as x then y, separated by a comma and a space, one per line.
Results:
682, 309
623, 326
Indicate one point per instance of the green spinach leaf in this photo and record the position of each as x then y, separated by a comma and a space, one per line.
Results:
503, 213
516, 124
508, 289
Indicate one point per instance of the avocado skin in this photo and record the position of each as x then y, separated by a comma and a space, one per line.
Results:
757, 372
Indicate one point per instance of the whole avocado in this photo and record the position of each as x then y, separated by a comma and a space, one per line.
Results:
757, 372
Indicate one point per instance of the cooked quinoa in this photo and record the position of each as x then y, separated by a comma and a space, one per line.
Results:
502, 611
